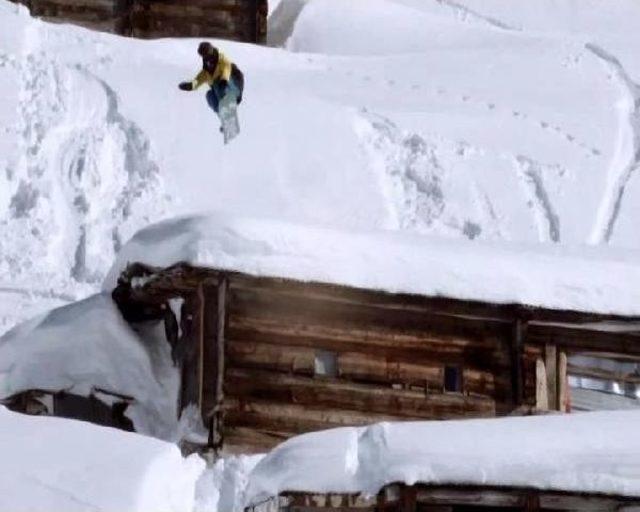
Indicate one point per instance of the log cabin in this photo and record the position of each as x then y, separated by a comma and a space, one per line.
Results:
267, 358
239, 20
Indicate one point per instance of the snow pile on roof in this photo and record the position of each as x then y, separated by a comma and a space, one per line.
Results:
73, 466
486, 122
87, 346
589, 452
587, 279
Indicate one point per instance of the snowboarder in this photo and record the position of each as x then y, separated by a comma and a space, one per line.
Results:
226, 83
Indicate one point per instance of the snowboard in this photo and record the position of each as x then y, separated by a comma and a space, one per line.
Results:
228, 113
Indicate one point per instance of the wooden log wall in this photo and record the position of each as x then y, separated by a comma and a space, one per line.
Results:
267, 358
240, 20
390, 362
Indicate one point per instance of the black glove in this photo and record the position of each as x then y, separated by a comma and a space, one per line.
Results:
239, 100
223, 85
186, 86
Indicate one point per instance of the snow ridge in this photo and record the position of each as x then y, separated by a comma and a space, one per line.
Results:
626, 158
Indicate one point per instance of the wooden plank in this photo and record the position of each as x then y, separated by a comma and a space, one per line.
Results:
542, 395
189, 352
476, 496
290, 389
550, 364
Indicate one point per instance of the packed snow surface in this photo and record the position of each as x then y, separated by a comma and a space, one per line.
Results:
64, 465
466, 119
87, 348
587, 279
589, 452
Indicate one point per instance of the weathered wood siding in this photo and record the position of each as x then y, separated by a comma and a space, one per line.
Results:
252, 349
241, 20
390, 360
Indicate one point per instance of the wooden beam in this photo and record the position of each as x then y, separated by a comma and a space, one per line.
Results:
578, 339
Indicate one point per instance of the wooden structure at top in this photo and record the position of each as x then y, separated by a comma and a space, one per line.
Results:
240, 20
268, 358
443, 498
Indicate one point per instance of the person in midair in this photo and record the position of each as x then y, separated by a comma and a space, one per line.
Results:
219, 73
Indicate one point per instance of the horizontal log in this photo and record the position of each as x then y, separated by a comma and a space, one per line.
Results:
575, 340
364, 367
305, 310
422, 347
267, 416
250, 385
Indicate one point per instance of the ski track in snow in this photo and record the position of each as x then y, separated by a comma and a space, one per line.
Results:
547, 220
626, 158
85, 175
464, 13
410, 171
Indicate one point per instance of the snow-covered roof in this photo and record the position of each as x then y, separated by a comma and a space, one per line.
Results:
588, 452
582, 278
87, 346
58, 464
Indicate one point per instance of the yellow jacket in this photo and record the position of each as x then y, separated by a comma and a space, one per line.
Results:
222, 72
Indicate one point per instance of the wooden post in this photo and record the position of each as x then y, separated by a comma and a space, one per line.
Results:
562, 383
517, 374
542, 397
551, 365
200, 340
215, 294
408, 499
217, 423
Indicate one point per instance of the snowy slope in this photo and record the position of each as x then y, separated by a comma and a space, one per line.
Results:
399, 114
56, 464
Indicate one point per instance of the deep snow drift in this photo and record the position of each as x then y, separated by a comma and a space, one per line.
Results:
87, 348
590, 452
479, 122
592, 279
56, 464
